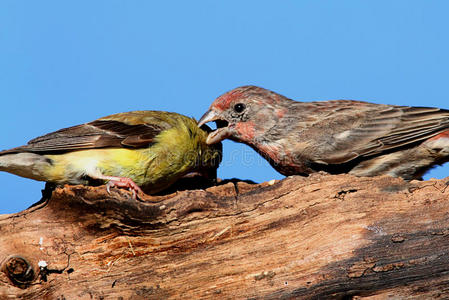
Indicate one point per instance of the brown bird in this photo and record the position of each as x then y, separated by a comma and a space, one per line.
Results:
338, 136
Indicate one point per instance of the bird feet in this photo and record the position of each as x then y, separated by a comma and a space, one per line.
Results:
124, 182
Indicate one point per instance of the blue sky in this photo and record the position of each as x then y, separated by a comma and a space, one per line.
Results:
64, 63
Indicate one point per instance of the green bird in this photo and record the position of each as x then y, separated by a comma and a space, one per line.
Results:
138, 149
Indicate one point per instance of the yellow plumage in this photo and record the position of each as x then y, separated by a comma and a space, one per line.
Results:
152, 148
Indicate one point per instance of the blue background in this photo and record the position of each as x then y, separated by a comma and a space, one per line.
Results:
64, 63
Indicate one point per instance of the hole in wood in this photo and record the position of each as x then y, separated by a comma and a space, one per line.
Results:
19, 271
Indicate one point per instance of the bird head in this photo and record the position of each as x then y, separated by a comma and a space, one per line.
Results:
240, 114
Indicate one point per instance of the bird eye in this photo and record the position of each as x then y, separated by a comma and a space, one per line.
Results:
239, 107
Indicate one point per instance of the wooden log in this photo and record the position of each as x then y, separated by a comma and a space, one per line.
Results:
318, 237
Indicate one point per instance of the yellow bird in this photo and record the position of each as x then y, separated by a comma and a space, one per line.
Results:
146, 149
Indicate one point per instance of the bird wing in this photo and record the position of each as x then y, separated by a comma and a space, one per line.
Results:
130, 130
380, 128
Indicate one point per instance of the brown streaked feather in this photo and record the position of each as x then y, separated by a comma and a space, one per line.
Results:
96, 134
387, 128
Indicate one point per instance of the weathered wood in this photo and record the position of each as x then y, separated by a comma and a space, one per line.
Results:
318, 237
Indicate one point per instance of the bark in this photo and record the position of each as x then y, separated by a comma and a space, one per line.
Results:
318, 237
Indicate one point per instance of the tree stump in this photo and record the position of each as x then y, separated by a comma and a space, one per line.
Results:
324, 236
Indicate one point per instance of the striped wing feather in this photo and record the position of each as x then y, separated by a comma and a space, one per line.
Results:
389, 128
96, 134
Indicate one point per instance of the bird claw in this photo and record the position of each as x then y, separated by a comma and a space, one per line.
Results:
124, 182
133, 191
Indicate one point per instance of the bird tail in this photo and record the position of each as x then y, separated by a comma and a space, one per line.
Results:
25, 164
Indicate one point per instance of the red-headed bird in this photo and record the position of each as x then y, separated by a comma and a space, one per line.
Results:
338, 136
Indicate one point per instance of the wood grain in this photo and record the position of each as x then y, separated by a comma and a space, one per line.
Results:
318, 237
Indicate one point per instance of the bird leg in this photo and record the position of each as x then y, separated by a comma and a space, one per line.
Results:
122, 182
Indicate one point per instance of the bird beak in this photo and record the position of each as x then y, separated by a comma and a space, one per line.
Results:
209, 116
217, 135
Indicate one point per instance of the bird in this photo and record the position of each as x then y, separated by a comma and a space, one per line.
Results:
138, 150
336, 136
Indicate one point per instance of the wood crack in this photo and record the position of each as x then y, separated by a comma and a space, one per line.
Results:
320, 237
